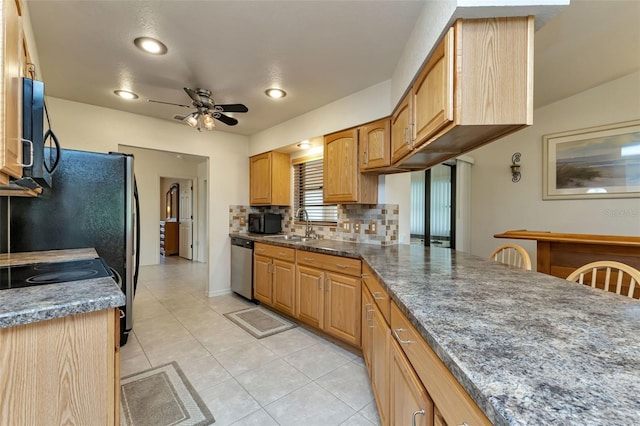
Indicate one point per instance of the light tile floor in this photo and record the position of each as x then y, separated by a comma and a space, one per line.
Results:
292, 378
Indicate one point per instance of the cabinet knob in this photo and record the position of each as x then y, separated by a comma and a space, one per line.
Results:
413, 418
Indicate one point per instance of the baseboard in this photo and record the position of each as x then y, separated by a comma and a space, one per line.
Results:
219, 292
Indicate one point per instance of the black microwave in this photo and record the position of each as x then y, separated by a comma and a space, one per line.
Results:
265, 223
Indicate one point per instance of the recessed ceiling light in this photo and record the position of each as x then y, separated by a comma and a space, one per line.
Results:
304, 144
150, 45
275, 93
125, 94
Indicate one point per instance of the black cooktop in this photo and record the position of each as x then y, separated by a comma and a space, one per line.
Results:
52, 272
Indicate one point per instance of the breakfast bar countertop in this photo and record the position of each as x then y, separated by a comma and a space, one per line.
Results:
44, 302
529, 348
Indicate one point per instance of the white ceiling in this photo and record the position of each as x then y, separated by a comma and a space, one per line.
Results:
318, 51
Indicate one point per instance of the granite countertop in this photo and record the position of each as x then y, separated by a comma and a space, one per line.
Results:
39, 303
529, 348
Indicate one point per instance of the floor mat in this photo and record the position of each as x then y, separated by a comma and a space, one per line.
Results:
259, 322
161, 396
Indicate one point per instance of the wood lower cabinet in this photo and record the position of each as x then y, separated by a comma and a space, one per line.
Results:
62, 371
409, 403
274, 277
454, 405
328, 294
310, 296
342, 307
375, 349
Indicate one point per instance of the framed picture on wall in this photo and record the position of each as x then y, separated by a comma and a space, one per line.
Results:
598, 162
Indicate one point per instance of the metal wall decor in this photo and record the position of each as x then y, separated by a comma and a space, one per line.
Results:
515, 167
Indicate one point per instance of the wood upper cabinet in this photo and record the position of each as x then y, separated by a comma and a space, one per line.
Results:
343, 182
400, 130
11, 96
476, 87
375, 145
62, 371
432, 93
270, 179
410, 403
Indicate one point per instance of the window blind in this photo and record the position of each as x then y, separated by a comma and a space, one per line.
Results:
307, 182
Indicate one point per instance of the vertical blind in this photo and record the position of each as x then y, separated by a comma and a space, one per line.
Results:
307, 184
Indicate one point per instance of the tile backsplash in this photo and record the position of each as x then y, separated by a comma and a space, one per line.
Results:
363, 223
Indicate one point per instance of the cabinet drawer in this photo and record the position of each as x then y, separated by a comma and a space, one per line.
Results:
378, 292
276, 252
342, 265
449, 396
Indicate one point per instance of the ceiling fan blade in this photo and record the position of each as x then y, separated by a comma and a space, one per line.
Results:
179, 117
229, 121
170, 103
233, 108
193, 95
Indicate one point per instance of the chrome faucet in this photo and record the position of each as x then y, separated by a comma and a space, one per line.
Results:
308, 230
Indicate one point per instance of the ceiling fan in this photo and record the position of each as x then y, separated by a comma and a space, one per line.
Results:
206, 110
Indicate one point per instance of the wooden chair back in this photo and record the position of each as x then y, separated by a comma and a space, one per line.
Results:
513, 255
606, 275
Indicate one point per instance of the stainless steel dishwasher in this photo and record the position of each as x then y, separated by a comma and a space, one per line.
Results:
242, 267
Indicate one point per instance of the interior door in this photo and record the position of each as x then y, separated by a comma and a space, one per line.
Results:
186, 221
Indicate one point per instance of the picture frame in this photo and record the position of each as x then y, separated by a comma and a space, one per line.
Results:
597, 162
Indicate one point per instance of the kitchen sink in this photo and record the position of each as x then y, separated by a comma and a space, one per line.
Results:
292, 238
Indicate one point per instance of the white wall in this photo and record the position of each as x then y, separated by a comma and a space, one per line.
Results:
367, 105
499, 205
103, 130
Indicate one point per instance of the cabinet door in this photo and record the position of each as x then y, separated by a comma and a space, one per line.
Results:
11, 144
400, 132
433, 93
367, 327
341, 167
283, 286
260, 179
380, 364
262, 278
408, 398
309, 295
438, 420
342, 307
375, 145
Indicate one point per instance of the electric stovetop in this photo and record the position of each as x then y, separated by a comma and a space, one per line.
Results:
52, 272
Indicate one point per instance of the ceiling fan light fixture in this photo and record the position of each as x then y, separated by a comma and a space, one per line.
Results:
191, 119
275, 93
208, 122
125, 94
150, 45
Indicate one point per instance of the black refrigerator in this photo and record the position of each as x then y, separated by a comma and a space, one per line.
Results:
92, 202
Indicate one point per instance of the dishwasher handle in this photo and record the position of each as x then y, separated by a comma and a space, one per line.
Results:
241, 242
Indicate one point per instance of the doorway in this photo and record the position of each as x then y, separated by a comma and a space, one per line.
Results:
176, 236
433, 195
